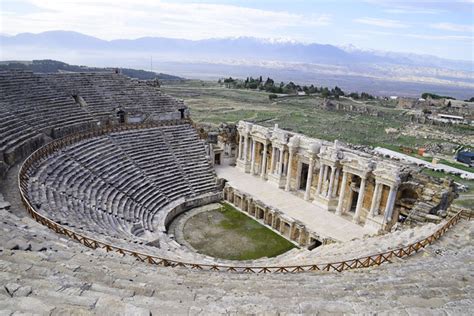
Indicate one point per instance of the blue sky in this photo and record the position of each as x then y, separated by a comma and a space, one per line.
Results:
441, 28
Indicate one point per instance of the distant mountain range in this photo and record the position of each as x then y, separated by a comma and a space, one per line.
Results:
229, 48
213, 58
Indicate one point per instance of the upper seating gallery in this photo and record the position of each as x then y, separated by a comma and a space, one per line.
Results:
37, 107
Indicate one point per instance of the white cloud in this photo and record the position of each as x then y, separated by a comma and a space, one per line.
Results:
426, 37
453, 27
410, 10
407, 7
110, 19
382, 22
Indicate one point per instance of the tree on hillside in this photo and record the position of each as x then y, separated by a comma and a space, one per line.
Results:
337, 92
433, 96
366, 96
354, 95
325, 92
290, 88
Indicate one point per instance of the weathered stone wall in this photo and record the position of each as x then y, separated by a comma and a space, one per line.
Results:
434, 197
289, 228
187, 205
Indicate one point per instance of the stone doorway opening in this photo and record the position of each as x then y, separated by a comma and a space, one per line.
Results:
355, 197
181, 111
354, 194
217, 159
304, 176
121, 116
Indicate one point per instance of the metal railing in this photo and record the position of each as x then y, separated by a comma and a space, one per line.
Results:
361, 262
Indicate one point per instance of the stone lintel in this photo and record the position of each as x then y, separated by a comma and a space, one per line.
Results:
355, 170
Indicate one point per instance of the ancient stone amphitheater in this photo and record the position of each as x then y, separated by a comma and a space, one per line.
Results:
95, 167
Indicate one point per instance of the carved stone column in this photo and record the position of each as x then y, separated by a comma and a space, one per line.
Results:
331, 182
390, 203
336, 183
252, 161
325, 175
290, 162
263, 172
360, 200
376, 199
273, 163
309, 180
239, 153
246, 147
340, 203
280, 162
320, 179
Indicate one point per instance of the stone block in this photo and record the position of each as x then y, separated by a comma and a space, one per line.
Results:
4, 205
111, 306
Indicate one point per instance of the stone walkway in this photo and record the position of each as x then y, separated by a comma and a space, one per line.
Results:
322, 222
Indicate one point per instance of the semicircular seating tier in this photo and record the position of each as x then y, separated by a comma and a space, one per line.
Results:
35, 108
120, 185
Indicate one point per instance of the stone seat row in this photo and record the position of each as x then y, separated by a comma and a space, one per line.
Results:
81, 183
361, 247
65, 279
49, 104
84, 217
107, 182
112, 89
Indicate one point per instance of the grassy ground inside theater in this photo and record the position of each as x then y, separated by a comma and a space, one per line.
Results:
226, 233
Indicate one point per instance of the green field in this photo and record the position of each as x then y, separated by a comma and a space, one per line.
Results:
212, 103
227, 233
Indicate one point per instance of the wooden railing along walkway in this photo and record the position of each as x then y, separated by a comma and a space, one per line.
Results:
361, 262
